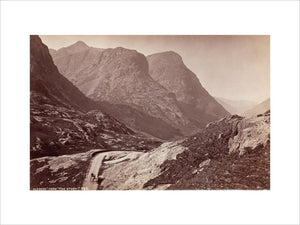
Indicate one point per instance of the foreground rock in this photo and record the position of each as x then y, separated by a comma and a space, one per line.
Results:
59, 173
209, 163
131, 171
252, 133
202, 161
117, 170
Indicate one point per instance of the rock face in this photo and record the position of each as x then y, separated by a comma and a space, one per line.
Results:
252, 133
120, 76
258, 109
47, 85
131, 171
168, 69
61, 117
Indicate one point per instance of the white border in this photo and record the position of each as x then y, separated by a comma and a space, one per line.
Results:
279, 19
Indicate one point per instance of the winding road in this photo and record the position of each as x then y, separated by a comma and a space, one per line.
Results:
96, 164
88, 184
129, 170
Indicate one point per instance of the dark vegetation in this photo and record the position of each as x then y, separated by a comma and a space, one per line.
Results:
64, 178
57, 131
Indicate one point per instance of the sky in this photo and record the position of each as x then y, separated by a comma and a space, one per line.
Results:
235, 67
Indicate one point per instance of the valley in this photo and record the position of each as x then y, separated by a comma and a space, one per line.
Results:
137, 122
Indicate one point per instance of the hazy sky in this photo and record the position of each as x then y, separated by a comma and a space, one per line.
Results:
234, 67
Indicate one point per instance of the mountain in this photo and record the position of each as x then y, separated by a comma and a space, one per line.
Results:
120, 76
63, 120
235, 106
71, 137
258, 109
140, 121
47, 85
168, 69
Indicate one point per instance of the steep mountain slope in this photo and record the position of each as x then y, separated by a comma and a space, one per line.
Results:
141, 121
258, 109
168, 69
235, 106
47, 85
120, 76
60, 122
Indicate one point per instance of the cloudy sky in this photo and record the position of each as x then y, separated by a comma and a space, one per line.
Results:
233, 67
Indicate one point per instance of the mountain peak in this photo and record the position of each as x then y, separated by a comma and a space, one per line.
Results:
122, 50
168, 56
80, 43
78, 46
168, 69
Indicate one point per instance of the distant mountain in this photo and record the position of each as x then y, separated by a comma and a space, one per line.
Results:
63, 120
258, 109
236, 106
121, 77
168, 69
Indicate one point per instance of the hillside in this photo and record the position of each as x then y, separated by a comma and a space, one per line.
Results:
235, 106
232, 153
258, 109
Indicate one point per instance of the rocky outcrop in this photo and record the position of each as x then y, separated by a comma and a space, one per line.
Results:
131, 171
119, 170
252, 133
168, 69
65, 172
209, 163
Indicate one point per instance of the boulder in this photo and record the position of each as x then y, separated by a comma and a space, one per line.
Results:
251, 133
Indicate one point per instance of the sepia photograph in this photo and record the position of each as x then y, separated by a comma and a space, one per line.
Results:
149, 112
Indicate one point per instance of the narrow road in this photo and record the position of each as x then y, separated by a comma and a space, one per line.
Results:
96, 164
